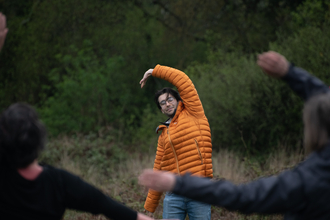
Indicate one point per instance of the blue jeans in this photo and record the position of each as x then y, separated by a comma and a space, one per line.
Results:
177, 207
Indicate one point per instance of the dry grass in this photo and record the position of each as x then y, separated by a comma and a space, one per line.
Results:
230, 166
283, 159
122, 183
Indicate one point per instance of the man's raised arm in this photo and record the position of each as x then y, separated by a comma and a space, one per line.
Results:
299, 80
184, 85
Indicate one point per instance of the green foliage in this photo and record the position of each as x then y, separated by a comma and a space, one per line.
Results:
250, 111
246, 110
145, 136
312, 13
308, 48
87, 94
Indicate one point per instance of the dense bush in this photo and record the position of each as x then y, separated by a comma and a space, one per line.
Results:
246, 109
90, 93
80, 63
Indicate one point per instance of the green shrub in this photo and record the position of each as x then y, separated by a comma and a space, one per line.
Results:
88, 93
145, 136
246, 109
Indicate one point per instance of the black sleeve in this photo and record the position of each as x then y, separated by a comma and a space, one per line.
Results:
81, 196
303, 83
266, 195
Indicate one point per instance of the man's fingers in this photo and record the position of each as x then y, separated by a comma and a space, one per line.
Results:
143, 82
147, 178
272, 58
273, 64
267, 59
269, 62
2, 21
264, 65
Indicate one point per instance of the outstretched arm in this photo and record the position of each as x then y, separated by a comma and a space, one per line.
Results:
3, 29
80, 195
275, 194
299, 80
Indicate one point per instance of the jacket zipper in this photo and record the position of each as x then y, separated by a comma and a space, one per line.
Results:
176, 157
200, 155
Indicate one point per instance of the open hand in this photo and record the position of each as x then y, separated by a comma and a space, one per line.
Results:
273, 64
145, 77
157, 180
141, 216
3, 29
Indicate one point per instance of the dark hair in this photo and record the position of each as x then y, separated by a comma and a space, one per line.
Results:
22, 136
168, 90
317, 122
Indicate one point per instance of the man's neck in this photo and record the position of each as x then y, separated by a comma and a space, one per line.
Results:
31, 172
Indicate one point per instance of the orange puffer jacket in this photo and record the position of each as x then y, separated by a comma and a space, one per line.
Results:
185, 145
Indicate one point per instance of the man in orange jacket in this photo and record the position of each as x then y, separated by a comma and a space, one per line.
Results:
184, 144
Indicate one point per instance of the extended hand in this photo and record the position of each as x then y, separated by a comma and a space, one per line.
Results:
3, 29
157, 180
145, 77
140, 216
273, 64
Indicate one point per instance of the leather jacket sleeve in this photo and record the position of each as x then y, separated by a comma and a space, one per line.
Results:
275, 194
303, 83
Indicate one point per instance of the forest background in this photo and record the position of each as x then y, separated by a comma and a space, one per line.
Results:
79, 62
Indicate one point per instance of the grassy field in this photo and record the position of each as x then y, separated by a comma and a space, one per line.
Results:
119, 180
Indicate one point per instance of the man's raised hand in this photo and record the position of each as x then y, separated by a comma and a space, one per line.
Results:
145, 77
3, 29
273, 64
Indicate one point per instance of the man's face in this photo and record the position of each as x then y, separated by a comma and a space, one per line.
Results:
168, 104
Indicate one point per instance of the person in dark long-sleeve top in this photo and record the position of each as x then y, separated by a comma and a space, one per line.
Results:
31, 191
299, 193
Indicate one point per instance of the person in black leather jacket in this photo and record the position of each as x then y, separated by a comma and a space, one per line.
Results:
299, 193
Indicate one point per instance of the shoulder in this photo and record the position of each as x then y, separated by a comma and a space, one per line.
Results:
58, 175
316, 168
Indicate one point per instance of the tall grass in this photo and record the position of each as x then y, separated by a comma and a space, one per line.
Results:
119, 180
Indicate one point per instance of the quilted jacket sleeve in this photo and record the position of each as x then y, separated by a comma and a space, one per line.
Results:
303, 83
185, 87
153, 197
